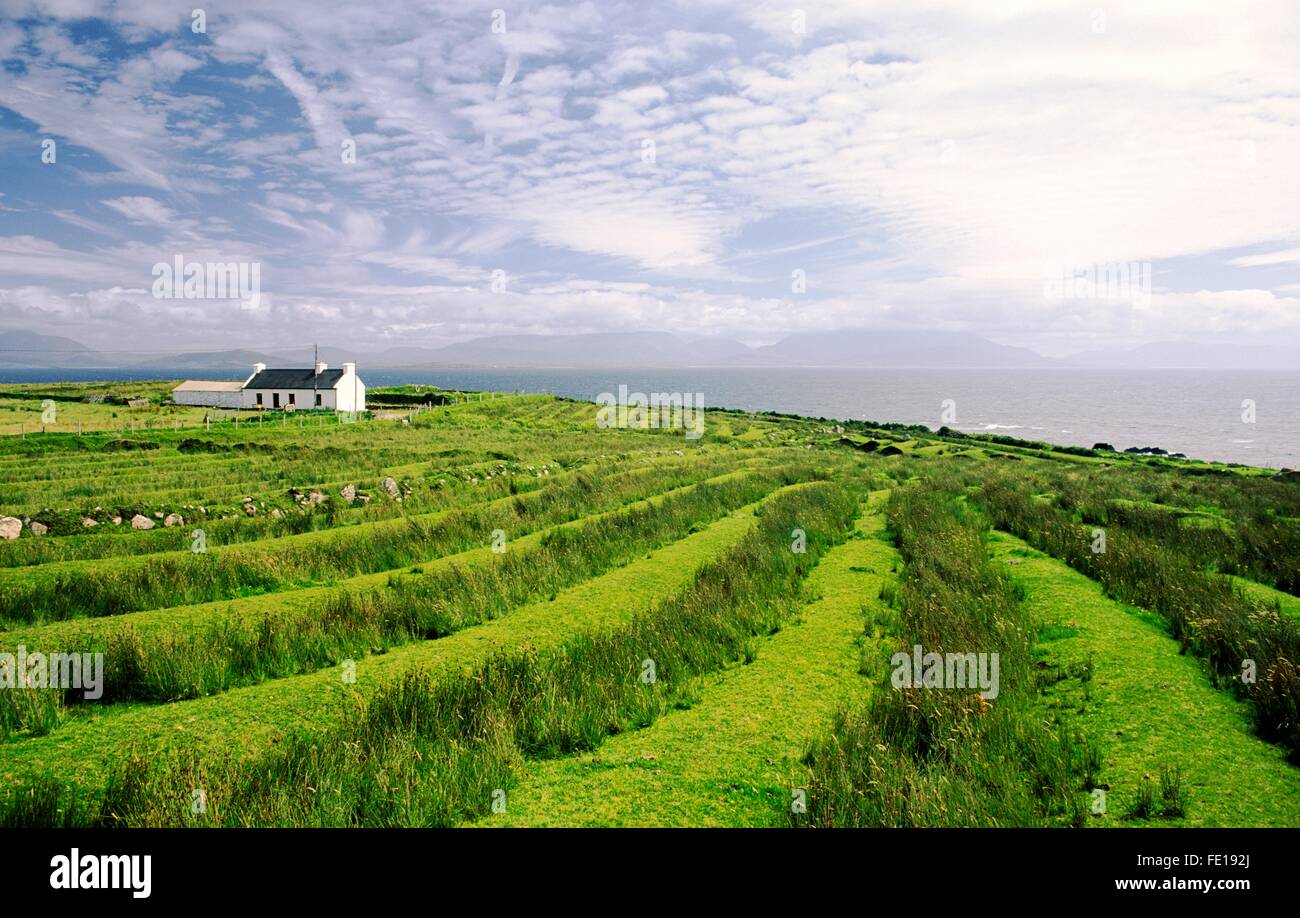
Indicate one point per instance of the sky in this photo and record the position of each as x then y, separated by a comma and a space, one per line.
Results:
446, 170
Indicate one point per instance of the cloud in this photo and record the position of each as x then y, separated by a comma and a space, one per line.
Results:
140, 209
1286, 257
930, 161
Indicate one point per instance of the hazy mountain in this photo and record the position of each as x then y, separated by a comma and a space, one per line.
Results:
856, 348
709, 350
1190, 355
23, 348
609, 349
241, 360
890, 348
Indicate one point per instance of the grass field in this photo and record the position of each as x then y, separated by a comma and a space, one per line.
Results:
494, 612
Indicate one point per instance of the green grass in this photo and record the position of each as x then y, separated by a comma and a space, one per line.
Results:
1148, 705
422, 752
732, 757
478, 671
948, 755
247, 720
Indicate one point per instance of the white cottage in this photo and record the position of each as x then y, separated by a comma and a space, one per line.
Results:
287, 390
322, 388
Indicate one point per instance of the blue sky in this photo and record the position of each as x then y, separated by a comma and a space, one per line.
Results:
631, 166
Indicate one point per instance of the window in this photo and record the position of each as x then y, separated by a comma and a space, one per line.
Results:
259, 400
275, 399
318, 399
293, 399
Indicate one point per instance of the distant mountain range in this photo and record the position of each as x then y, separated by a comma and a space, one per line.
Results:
850, 348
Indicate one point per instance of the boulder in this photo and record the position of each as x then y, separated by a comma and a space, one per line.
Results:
90, 521
10, 527
391, 489
315, 497
39, 529
348, 493
157, 514
139, 521
117, 521
174, 519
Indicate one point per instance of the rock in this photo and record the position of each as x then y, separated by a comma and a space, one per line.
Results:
315, 497
365, 498
250, 508
157, 514
89, 521
348, 493
391, 489
39, 529
174, 519
276, 514
117, 521
141, 522
248, 500
10, 527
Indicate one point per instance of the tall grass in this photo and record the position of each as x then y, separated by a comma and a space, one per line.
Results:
1206, 613
434, 752
1233, 524
944, 756
415, 606
223, 573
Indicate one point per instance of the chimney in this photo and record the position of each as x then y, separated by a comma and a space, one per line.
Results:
258, 368
321, 367
349, 369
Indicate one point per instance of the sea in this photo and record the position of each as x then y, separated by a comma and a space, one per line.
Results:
1246, 416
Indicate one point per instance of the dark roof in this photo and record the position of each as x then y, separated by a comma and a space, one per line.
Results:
294, 379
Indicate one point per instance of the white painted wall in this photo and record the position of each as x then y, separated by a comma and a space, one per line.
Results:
209, 399
304, 399
351, 390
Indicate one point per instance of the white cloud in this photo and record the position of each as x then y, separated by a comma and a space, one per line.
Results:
139, 209
930, 159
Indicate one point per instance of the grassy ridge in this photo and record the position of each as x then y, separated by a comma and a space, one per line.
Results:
1233, 524
429, 752
1208, 616
1154, 711
916, 756
185, 578
246, 721
232, 651
732, 757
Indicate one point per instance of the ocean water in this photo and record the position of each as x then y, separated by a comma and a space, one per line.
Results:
1196, 412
